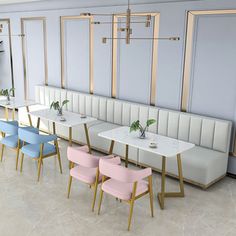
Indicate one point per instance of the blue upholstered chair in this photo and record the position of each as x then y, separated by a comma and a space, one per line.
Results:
9, 131
37, 146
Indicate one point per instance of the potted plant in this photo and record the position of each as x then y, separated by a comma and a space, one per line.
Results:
7, 93
58, 107
137, 126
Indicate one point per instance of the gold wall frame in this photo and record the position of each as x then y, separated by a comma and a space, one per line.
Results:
23, 20
91, 52
191, 17
115, 18
7, 20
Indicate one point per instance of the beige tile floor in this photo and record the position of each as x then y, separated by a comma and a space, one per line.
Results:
31, 208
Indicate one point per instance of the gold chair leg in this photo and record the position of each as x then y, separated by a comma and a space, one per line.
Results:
132, 205
100, 201
58, 155
40, 160
95, 189
39, 168
17, 155
69, 186
101, 195
21, 162
3, 146
151, 194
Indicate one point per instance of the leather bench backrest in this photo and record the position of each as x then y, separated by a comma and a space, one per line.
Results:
202, 131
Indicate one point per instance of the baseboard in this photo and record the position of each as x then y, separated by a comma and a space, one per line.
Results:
231, 175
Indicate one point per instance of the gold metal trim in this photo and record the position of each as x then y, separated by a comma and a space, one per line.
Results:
24, 49
91, 49
10, 47
154, 54
191, 17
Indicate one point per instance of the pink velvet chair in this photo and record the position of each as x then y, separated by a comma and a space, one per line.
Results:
84, 167
125, 184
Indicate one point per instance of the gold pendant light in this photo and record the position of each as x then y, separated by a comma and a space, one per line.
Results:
128, 28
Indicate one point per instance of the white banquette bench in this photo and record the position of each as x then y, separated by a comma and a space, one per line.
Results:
203, 165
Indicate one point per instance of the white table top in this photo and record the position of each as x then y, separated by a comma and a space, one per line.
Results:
166, 146
72, 119
16, 103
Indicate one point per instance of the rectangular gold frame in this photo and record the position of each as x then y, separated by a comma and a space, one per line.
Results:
10, 47
24, 49
62, 19
191, 17
154, 54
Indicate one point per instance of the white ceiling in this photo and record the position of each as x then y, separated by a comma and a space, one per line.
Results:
90, 2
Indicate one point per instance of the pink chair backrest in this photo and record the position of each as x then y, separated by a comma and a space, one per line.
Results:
82, 158
110, 169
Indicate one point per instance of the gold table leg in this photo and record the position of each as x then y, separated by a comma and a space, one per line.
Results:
163, 194
13, 113
38, 122
29, 117
70, 144
87, 137
6, 114
70, 136
54, 128
126, 155
111, 147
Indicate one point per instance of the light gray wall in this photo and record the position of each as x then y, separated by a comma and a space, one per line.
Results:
5, 63
213, 77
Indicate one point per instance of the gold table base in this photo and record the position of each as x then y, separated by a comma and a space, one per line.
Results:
162, 195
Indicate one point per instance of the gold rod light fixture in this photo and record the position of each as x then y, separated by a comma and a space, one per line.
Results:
127, 29
12, 35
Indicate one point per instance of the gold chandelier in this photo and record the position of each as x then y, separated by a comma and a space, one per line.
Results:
128, 28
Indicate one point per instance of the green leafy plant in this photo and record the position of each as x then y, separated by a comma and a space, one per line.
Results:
57, 106
137, 126
7, 92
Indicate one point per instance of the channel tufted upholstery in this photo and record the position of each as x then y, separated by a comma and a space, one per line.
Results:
211, 136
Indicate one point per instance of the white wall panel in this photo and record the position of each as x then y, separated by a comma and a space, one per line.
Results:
34, 54
5, 59
102, 63
134, 64
76, 53
213, 79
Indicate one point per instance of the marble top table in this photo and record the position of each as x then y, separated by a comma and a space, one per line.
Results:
71, 120
166, 147
16, 103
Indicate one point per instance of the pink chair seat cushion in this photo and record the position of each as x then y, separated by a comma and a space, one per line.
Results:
82, 148
84, 174
123, 190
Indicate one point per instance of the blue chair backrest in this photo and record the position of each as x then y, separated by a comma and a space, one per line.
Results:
32, 137
9, 127
28, 136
